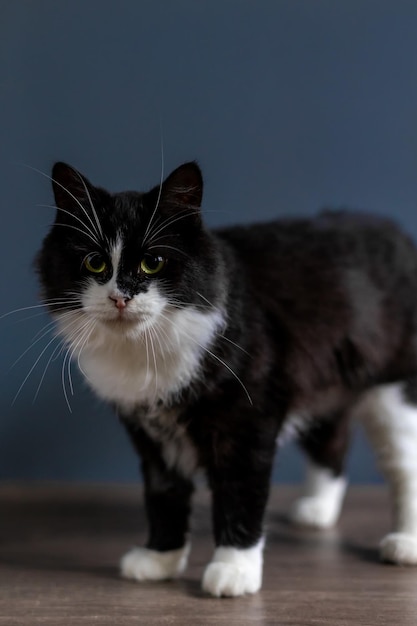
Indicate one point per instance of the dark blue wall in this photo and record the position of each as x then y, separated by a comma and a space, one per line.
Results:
287, 105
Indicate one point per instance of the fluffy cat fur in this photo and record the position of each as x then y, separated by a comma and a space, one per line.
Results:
210, 345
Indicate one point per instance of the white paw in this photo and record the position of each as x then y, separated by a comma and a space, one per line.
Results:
226, 579
315, 512
144, 564
234, 572
400, 548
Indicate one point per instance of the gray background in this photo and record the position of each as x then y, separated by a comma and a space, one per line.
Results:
287, 105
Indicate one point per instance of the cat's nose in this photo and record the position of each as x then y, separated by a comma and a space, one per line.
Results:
120, 302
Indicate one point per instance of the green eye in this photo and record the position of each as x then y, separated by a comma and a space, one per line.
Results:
95, 263
152, 264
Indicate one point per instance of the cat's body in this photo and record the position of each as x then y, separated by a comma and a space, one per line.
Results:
213, 345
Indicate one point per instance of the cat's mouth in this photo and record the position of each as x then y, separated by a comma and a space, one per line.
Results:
125, 321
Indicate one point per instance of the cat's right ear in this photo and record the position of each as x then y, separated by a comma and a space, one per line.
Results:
72, 191
184, 187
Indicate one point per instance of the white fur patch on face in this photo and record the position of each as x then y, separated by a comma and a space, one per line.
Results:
321, 503
391, 425
234, 571
142, 564
136, 317
116, 255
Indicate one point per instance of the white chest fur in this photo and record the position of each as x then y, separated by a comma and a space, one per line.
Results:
154, 365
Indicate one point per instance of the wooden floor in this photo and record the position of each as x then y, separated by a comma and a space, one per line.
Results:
60, 548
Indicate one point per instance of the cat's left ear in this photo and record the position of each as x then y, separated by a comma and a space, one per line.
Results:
184, 187
72, 190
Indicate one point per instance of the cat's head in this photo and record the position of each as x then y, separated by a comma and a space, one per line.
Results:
124, 259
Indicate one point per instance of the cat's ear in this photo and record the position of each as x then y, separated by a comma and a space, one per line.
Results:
72, 191
184, 187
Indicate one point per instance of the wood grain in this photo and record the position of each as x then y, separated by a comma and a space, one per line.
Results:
60, 547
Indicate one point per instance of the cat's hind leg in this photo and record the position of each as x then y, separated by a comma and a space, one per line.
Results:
389, 415
321, 502
326, 444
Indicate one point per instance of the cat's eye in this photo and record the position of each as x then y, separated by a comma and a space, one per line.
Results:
95, 263
151, 264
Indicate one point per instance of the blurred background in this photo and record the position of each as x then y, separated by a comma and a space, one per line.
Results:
288, 106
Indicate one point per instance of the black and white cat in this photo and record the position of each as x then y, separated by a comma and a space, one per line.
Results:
211, 345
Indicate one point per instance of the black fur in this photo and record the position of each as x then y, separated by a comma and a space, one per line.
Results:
318, 310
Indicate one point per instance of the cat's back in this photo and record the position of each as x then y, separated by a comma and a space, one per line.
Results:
342, 272
334, 244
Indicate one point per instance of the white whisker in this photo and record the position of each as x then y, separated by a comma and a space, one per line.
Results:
234, 344
200, 295
93, 239
37, 306
171, 220
88, 335
45, 331
100, 230
158, 246
178, 304
64, 389
147, 360
31, 317
48, 328
67, 345
55, 338
221, 335
159, 192
88, 233
151, 335
204, 348
55, 350
81, 332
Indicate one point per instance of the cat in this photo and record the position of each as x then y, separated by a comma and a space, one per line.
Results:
211, 345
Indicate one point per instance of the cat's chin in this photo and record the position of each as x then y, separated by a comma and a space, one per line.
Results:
126, 326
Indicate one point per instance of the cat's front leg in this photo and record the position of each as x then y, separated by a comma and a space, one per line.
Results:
239, 478
167, 502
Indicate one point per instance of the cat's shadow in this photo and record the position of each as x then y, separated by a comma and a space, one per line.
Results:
283, 532
364, 553
60, 565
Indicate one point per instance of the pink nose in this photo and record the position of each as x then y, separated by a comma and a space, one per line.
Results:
119, 302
